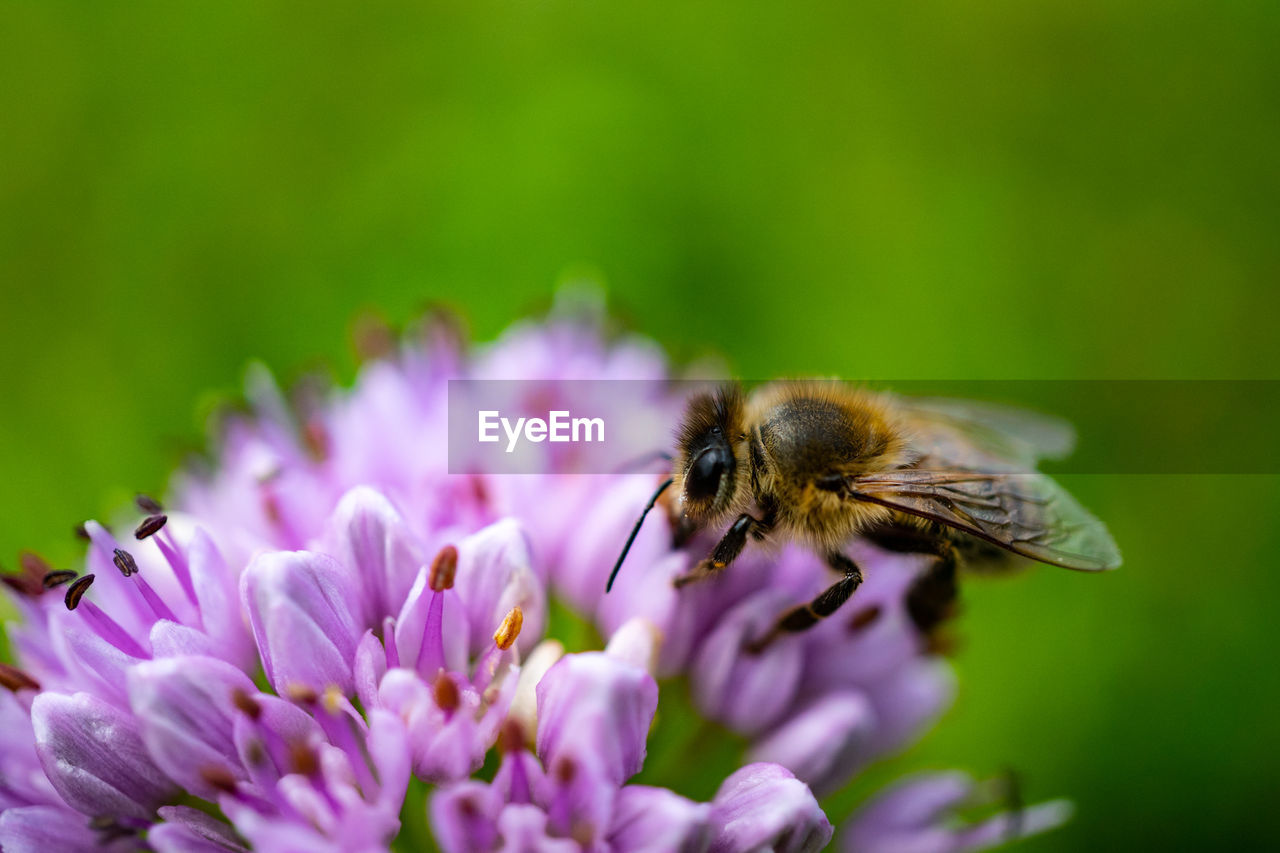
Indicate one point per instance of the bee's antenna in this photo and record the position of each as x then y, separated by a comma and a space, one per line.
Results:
639, 521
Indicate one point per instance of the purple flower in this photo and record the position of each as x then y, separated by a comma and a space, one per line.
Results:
764, 807
326, 621
304, 609
593, 715
94, 756
917, 816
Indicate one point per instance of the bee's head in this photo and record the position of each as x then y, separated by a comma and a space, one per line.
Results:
711, 447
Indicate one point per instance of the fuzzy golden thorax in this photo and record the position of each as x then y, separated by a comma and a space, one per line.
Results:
806, 435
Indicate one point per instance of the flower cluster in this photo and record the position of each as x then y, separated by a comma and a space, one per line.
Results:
324, 614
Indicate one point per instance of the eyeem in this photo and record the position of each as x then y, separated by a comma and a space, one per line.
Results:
558, 427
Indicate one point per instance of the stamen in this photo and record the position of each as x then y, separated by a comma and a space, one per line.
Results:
149, 526
158, 608
271, 508
511, 744
30, 576
124, 562
246, 704
316, 440
333, 699
15, 679
303, 759
373, 337
431, 650
582, 832
301, 694
443, 568
509, 630
76, 591
219, 777
32, 563
105, 547
479, 491
864, 618
266, 750
57, 578
80, 532
178, 562
389, 642
347, 730
256, 754
511, 737
445, 692
503, 639
110, 630
148, 504
273, 511
566, 770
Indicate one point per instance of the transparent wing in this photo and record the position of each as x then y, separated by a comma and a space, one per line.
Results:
982, 436
1023, 511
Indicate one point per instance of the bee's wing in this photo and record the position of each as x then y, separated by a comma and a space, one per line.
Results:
1023, 511
977, 435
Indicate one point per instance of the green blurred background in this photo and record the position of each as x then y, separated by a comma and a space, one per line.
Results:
897, 191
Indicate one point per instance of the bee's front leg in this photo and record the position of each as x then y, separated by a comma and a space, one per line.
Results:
728, 549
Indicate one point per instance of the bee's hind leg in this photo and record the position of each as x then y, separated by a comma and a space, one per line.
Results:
931, 598
802, 617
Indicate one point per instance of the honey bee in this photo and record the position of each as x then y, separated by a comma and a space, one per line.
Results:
823, 462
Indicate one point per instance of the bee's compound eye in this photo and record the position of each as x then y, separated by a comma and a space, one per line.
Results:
704, 476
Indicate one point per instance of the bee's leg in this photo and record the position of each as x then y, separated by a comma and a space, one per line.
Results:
728, 549
804, 616
932, 596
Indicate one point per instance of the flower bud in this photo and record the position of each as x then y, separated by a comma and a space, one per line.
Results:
304, 612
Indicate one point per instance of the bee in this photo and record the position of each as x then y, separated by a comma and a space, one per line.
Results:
822, 462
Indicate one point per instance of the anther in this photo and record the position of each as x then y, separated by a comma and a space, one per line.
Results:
372, 337
28, 580
446, 694
509, 629
15, 679
124, 562
33, 564
76, 591
246, 704
148, 504
81, 532
219, 777
443, 568
57, 577
333, 697
864, 618
316, 439
149, 526
255, 754
511, 737
565, 771
301, 694
303, 758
